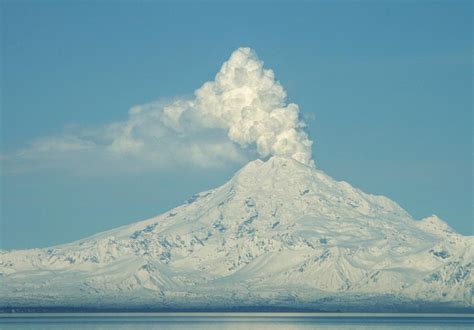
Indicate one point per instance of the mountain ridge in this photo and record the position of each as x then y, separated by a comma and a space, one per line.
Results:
277, 234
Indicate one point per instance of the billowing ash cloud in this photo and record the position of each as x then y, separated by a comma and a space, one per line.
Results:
247, 102
242, 111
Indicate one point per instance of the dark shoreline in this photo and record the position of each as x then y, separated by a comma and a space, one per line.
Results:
245, 309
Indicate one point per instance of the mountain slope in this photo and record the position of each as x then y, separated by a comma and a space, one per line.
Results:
278, 234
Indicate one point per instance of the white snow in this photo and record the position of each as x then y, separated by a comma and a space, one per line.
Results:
277, 233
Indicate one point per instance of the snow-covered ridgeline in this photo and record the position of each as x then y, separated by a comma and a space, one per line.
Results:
279, 233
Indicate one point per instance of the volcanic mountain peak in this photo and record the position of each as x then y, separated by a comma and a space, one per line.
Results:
277, 234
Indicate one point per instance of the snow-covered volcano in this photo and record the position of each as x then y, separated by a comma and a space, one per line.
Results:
279, 234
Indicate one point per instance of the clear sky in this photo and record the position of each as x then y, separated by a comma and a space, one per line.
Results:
384, 87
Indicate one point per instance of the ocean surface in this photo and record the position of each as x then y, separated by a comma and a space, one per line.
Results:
209, 321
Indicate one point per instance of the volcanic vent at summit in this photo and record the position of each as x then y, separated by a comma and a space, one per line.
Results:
279, 235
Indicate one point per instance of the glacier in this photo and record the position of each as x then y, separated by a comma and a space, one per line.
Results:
279, 235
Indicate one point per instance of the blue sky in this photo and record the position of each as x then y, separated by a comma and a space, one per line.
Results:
385, 89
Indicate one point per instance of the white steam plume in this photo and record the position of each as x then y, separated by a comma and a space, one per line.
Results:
247, 102
243, 107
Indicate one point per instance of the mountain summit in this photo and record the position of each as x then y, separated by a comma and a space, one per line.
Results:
278, 235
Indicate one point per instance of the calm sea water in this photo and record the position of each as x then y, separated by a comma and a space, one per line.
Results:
210, 321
